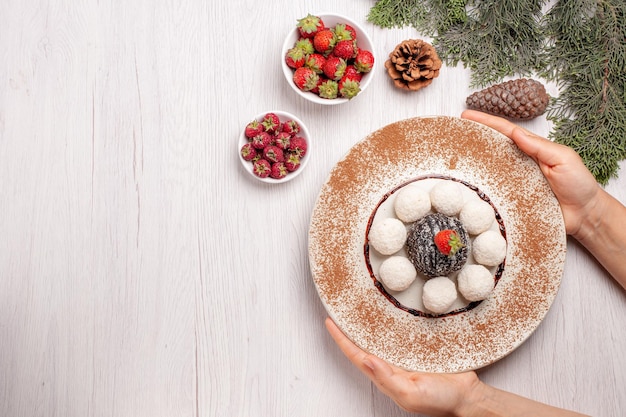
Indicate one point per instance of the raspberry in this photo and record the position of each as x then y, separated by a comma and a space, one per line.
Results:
291, 126
292, 162
279, 170
254, 128
298, 146
262, 168
248, 152
271, 122
261, 140
283, 139
273, 154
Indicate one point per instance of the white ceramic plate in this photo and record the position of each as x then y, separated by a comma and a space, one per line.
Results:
469, 152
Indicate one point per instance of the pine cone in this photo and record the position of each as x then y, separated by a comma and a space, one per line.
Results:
413, 64
520, 99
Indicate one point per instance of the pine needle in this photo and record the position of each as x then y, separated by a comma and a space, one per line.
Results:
587, 57
579, 44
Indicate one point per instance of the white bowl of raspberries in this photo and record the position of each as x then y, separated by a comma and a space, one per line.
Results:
328, 58
274, 147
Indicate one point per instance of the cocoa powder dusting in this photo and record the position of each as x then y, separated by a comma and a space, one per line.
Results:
457, 148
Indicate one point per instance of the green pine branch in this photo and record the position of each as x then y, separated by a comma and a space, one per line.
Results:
495, 39
500, 38
586, 56
398, 13
579, 44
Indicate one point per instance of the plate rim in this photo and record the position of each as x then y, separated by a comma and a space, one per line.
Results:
558, 254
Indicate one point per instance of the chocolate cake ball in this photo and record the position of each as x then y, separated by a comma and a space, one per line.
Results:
423, 252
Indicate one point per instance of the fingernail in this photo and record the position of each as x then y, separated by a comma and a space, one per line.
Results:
368, 364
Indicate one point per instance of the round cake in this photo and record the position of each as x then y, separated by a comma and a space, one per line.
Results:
423, 252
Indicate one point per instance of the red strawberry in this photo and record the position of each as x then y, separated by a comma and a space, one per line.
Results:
352, 73
328, 89
271, 122
320, 80
248, 152
253, 128
306, 45
261, 140
334, 68
305, 78
448, 242
364, 61
344, 32
292, 162
291, 127
324, 41
298, 146
295, 58
349, 87
345, 49
279, 170
273, 154
315, 62
351, 30
261, 168
308, 26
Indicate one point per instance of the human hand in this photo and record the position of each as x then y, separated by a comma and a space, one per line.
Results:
426, 393
572, 183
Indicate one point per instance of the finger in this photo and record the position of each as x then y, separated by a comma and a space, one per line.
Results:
544, 151
380, 372
386, 377
503, 126
541, 150
349, 349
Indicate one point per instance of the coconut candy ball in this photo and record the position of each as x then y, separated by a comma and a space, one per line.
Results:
447, 197
387, 236
489, 248
411, 203
439, 294
397, 273
477, 216
475, 282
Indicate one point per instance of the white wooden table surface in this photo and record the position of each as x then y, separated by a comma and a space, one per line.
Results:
143, 273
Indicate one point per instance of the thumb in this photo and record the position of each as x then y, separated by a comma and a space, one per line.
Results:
378, 367
543, 151
384, 375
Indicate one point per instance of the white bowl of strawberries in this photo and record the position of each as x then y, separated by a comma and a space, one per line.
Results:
274, 147
328, 58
